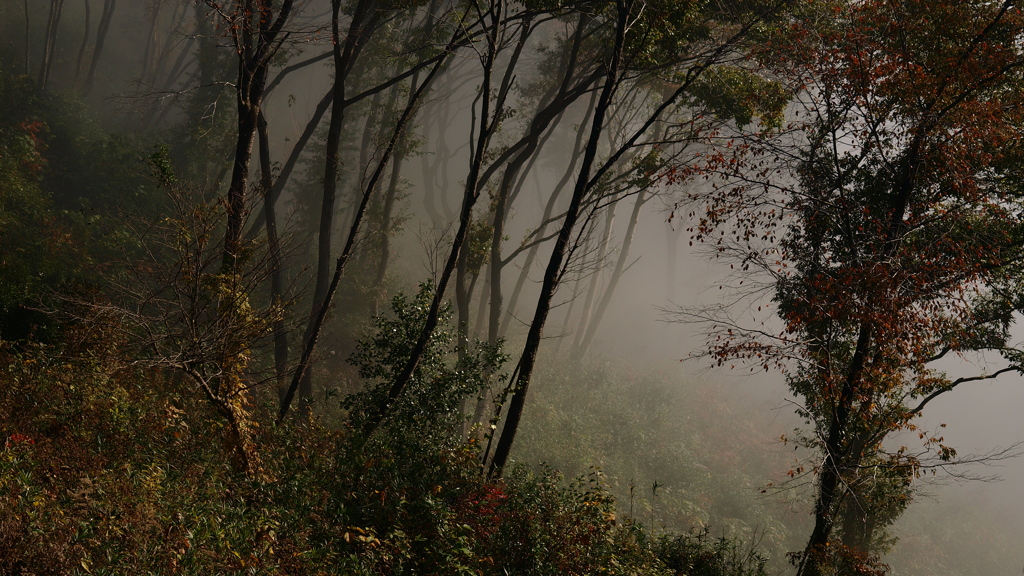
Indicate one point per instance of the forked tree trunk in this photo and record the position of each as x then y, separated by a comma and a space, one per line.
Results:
549, 209
101, 37
50, 41
85, 43
280, 332
346, 49
256, 47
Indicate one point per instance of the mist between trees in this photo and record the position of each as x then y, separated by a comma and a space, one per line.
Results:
314, 287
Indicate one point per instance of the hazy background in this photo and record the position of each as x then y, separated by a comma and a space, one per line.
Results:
973, 527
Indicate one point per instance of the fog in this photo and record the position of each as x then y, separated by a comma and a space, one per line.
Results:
166, 77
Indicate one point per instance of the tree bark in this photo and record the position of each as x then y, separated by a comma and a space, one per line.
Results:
613, 282
313, 334
553, 272
101, 36
345, 52
280, 332
84, 45
50, 41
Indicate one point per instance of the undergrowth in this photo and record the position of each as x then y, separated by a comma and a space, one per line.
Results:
109, 468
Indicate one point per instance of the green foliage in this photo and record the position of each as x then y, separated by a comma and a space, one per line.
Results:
709, 462
38, 249
698, 554
741, 95
64, 188
109, 469
428, 411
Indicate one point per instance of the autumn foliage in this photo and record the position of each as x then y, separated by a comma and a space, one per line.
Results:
883, 222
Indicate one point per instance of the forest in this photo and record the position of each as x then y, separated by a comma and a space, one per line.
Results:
502, 287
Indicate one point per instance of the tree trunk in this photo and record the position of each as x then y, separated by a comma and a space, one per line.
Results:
28, 43
671, 260
293, 158
553, 272
85, 43
101, 37
50, 41
387, 209
280, 332
487, 124
149, 51
313, 334
256, 48
620, 267
834, 463
595, 281
345, 52
549, 209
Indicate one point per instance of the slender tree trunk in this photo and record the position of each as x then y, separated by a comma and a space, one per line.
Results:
487, 124
312, 336
85, 43
576, 285
671, 261
28, 41
248, 112
346, 50
595, 281
255, 49
101, 36
549, 208
507, 193
149, 51
613, 282
553, 272
280, 332
462, 296
387, 210
366, 148
293, 158
50, 42
253, 66
442, 162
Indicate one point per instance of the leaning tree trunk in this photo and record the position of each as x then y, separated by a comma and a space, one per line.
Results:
553, 272
488, 124
549, 209
313, 334
595, 281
